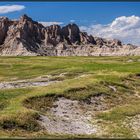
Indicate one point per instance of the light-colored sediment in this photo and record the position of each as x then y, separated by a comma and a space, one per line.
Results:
70, 117
39, 81
133, 123
12, 85
44, 80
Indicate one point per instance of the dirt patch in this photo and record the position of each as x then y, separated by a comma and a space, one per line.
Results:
96, 103
25, 84
134, 124
130, 60
38, 81
68, 117
60, 115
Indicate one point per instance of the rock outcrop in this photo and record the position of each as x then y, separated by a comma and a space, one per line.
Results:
28, 37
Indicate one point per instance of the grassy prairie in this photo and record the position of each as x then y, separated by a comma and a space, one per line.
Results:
20, 108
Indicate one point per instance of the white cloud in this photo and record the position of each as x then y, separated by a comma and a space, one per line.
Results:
50, 23
10, 8
126, 29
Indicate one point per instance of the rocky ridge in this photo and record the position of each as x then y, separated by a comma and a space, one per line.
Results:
25, 37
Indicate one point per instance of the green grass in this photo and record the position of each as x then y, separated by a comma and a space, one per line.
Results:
19, 108
29, 67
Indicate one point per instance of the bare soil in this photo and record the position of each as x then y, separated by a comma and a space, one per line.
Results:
72, 117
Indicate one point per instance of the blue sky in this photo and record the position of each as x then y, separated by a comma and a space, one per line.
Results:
120, 20
84, 13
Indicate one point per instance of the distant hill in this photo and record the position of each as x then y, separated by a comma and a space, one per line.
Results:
27, 37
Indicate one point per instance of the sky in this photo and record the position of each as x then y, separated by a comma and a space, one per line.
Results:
119, 20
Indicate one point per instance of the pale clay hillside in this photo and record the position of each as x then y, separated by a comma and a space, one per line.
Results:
26, 37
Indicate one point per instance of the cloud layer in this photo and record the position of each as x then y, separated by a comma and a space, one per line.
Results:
10, 8
126, 29
50, 23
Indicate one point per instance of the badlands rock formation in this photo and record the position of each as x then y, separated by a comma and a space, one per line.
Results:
27, 37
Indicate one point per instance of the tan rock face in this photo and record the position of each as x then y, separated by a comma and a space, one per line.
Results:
4, 24
28, 37
71, 34
85, 39
53, 35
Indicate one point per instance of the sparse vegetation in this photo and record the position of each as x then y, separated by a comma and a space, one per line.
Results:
85, 77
